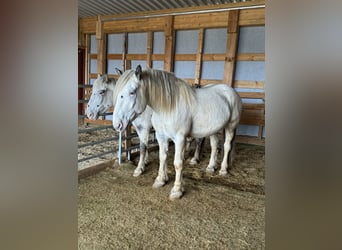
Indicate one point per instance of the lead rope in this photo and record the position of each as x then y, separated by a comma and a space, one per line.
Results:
120, 149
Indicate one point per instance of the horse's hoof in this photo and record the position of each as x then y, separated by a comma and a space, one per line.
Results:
210, 170
175, 195
223, 172
137, 172
193, 162
157, 183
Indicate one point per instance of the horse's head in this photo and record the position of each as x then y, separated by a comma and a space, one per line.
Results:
101, 98
129, 98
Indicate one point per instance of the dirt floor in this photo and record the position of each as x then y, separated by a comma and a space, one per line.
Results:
119, 211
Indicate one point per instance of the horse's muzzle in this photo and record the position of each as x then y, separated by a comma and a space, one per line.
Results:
119, 126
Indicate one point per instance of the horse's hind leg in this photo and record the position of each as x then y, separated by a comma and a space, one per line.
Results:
229, 135
199, 145
213, 156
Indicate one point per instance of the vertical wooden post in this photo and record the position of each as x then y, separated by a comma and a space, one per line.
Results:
124, 52
232, 43
86, 70
101, 53
199, 57
149, 49
169, 44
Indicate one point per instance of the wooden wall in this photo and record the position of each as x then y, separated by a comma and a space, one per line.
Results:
169, 23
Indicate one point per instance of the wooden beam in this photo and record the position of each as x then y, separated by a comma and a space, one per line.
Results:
251, 17
98, 122
251, 57
124, 51
232, 41
136, 56
92, 170
253, 95
99, 28
101, 56
199, 56
249, 84
169, 43
250, 140
149, 50
102, 51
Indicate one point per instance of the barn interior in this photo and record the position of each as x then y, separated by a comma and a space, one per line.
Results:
201, 41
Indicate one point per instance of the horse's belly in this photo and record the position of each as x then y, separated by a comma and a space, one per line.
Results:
208, 128
171, 126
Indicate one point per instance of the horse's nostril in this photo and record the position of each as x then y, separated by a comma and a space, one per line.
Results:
97, 105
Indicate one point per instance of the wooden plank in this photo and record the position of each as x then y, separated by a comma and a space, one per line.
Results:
124, 51
98, 122
206, 82
254, 95
87, 25
92, 170
250, 140
114, 56
158, 57
136, 56
232, 42
101, 56
251, 57
258, 106
205, 20
86, 66
93, 76
213, 57
250, 17
252, 117
249, 84
92, 56
185, 57
149, 50
199, 56
99, 28
169, 43
135, 25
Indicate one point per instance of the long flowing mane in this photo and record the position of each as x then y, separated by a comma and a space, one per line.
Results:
163, 88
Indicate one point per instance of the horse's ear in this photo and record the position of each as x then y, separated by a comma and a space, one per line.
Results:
105, 78
118, 71
138, 72
99, 76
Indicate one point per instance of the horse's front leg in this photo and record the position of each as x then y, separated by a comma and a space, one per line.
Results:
162, 177
212, 162
178, 189
143, 137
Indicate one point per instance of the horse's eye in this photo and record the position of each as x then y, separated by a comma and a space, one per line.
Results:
102, 92
132, 93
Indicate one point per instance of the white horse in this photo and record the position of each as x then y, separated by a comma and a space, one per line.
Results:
179, 111
101, 100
